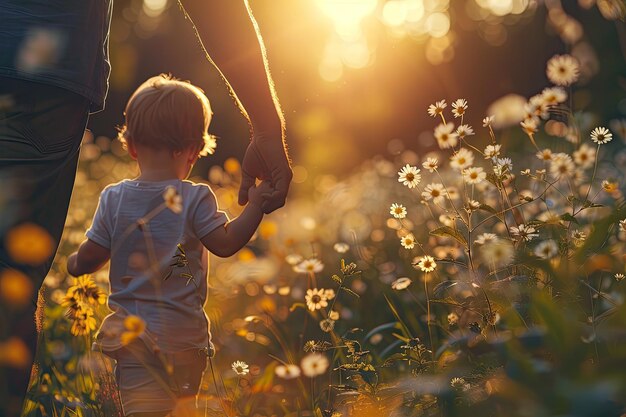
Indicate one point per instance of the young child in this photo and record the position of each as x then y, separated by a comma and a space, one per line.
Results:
155, 229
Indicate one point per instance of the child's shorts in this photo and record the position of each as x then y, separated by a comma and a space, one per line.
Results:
144, 383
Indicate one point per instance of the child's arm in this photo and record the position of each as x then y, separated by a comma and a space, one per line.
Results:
89, 258
227, 240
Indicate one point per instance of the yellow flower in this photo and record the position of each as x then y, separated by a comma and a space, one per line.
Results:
29, 244
135, 326
15, 288
84, 322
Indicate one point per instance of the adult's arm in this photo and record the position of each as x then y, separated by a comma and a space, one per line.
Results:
230, 35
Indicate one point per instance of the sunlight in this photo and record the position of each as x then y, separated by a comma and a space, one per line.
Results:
347, 15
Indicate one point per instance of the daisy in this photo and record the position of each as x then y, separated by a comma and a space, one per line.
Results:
240, 368
492, 151
436, 109
487, 121
329, 294
431, 164
408, 241
312, 265
585, 156
427, 264
173, 201
341, 247
601, 135
398, 211
619, 277
562, 70
315, 299
462, 159
464, 130
529, 126
537, 107
524, 232
293, 259
401, 283
547, 249
610, 186
486, 238
562, 164
497, 252
544, 155
553, 95
472, 205
288, 371
434, 191
459, 107
409, 176
474, 175
314, 364
445, 136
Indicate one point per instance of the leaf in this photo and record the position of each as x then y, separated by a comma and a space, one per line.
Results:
380, 328
488, 208
568, 218
405, 329
446, 231
443, 287
349, 291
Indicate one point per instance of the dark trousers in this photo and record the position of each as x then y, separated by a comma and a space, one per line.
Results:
41, 128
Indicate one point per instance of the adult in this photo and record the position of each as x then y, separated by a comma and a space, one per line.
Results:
54, 72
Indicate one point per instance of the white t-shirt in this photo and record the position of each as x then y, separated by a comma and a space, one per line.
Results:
143, 235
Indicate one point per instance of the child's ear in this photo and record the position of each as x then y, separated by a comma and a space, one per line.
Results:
132, 151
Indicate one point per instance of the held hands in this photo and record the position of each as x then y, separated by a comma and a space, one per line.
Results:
266, 159
258, 195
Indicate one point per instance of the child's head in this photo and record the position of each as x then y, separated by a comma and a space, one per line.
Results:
166, 113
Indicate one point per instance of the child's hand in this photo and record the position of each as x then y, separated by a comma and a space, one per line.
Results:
258, 194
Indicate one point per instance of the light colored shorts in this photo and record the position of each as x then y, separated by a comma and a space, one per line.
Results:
146, 385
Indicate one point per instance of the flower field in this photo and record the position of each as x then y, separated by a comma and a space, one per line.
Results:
478, 274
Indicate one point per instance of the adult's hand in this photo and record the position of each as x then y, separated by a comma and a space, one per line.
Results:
266, 159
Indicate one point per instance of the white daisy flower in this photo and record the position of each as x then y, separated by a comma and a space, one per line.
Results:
474, 175
240, 368
547, 249
544, 155
288, 371
462, 159
485, 238
459, 107
562, 70
409, 176
524, 232
408, 241
314, 364
436, 109
445, 135
315, 299
427, 264
398, 211
464, 130
487, 121
435, 192
601, 135
492, 151
431, 164
585, 156
311, 265
401, 283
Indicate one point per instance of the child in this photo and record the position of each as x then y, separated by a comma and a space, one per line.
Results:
155, 229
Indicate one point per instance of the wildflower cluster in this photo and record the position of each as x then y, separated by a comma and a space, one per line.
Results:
80, 300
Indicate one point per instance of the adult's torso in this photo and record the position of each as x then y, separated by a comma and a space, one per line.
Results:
58, 42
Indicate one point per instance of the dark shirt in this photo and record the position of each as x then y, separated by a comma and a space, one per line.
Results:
58, 42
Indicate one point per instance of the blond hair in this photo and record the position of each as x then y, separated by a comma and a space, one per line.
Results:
167, 113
